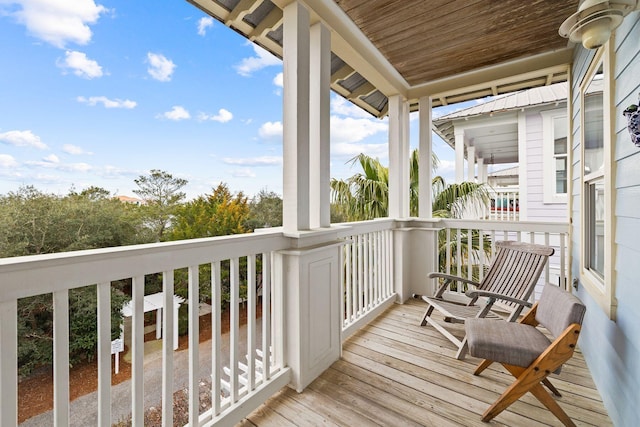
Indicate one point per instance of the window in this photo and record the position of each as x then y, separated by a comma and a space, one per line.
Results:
554, 134
596, 177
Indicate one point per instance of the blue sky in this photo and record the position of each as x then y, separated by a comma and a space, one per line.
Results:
98, 92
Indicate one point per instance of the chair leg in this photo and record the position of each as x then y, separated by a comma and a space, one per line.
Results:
426, 314
525, 382
482, 366
514, 392
462, 350
551, 387
548, 401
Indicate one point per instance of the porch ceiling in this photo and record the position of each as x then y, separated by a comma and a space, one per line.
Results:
450, 50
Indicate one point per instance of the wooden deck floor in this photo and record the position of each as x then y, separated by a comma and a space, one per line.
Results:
397, 373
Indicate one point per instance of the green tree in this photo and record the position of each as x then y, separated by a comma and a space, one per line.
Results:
161, 194
265, 210
217, 214
34, 223
365, 196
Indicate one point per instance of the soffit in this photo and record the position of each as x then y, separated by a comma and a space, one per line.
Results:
451, 50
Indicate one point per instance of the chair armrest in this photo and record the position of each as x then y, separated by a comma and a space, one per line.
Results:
451, 278
478, 293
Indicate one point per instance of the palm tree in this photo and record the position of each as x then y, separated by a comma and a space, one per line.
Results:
365, 196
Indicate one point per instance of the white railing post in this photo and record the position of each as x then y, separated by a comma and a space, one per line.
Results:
137, 350
168, 323
9, 363
104, 354
61, 358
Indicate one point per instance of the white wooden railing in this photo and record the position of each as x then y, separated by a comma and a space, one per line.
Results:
459, 233
253, 365
367, 278
504, 205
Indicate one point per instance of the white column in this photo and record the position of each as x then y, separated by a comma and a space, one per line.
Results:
459, 135
522, 166
319, 106
425, 162
398, 158
471, 163
296, 118
482, 171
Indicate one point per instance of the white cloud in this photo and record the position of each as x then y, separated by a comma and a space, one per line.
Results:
344, 149
278, 80
203, 24
342, 107
270, 130
177, 113
351, 130
53, 162
160, 68
223, 116
254, 63
106, 102
52, 158
58, 22
7, 161
243, 173
75, 150
22, 138
254, 161
81, 65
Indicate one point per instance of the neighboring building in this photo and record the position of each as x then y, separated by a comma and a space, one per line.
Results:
528, 128
132, 200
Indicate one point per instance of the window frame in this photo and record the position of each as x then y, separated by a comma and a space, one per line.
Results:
550, 196
601, 288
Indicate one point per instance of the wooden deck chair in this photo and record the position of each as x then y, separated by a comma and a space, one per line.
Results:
511, 278
526, 352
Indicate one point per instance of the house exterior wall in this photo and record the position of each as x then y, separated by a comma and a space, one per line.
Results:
611, 347
537, 209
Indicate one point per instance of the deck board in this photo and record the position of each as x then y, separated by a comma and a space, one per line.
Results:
395, 372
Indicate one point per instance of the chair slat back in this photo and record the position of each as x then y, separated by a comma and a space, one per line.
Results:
516, 268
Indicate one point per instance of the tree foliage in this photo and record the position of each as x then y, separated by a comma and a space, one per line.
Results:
365, 195
217, 214
265, 210
161, 194
35, 223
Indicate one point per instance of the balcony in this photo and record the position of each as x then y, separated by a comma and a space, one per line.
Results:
316, 289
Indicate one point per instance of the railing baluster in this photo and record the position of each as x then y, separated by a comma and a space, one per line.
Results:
367, 271
251, 322
355, 282
104, 354
347, 284
234, 275
266, 315
194, 344
563, 268
137, 350
167, 348
360, 275
61, 358
469, 254
216, 338
9, 363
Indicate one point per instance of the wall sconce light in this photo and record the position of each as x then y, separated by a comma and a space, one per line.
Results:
594, 21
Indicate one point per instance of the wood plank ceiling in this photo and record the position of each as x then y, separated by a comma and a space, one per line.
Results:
425, 41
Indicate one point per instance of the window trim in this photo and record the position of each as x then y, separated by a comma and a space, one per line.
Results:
548, 165
602, 290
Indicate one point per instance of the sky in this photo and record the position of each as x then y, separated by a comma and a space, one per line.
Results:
99, 92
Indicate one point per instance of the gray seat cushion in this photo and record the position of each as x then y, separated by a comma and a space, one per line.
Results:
505, 342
